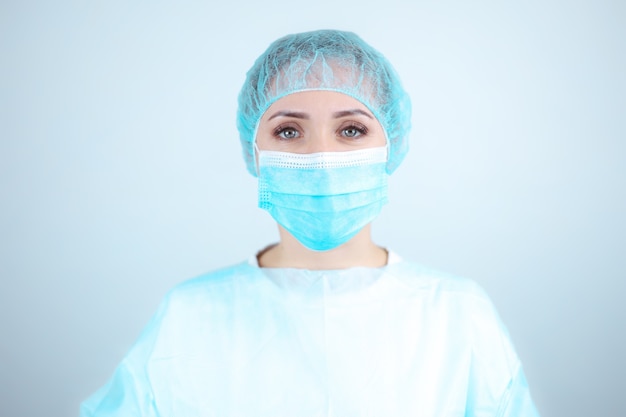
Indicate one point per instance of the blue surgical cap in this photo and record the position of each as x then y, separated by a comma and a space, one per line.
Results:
325, 60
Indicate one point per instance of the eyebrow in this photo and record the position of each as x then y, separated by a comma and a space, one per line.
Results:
287, 113
345, 113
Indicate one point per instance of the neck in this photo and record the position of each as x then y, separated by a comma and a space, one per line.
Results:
358, 251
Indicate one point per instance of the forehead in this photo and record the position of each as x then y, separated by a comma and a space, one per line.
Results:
317, 101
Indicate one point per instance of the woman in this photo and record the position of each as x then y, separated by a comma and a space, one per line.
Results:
325, 322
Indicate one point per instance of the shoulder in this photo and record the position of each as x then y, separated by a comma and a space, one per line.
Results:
212, 290
457, 292
218, 280
460, 299
424, 279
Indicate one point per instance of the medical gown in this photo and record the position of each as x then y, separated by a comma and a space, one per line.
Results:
400, 340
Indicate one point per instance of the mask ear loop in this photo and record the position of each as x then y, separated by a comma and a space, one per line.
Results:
387, 149
256, 158
387, 146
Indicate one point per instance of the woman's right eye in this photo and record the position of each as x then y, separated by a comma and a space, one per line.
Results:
287, 133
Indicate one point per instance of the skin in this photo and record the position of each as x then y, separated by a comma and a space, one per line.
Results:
320, 121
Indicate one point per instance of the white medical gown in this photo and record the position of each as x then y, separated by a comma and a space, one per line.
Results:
400, 340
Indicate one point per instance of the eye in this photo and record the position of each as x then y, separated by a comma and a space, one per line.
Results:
286, 132
353, 131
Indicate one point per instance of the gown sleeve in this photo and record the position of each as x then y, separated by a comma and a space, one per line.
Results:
129, 392
497, 374
516, 401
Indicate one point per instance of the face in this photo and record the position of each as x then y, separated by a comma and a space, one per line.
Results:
318, 121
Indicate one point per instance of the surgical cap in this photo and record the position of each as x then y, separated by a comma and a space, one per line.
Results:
325, 60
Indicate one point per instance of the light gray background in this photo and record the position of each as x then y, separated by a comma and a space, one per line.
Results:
121, 175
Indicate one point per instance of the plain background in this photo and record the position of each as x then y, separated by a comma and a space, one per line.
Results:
121, 174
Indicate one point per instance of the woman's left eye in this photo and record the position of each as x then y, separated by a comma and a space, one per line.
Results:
353, 131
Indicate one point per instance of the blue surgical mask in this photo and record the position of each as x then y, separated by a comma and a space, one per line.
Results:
323, 199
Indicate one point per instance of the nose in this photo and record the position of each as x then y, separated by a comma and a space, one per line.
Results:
320, 141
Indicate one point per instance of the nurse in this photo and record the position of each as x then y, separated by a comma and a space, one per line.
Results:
324, 322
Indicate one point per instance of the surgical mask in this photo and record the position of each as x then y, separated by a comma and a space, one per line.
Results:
323, 199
